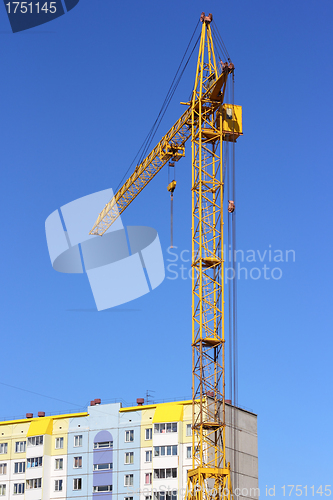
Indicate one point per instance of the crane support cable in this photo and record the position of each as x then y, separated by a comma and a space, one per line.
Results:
170, 94
219, 42
172, 89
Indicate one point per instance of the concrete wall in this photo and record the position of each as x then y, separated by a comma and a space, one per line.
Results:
242, 452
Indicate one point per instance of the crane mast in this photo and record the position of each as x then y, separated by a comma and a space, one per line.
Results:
209, 122
210, 477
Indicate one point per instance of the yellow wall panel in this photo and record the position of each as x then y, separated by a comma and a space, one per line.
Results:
187, 419
20, 430
60, 426
146, 422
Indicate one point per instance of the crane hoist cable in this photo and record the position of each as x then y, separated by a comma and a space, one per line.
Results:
171, 187
235, 330
229, 163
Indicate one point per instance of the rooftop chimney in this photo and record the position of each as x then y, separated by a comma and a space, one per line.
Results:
41, 413
140, 401
210, 394
97, 401
29, 415
92, 403
228, 401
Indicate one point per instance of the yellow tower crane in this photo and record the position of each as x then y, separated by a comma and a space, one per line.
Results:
210, 123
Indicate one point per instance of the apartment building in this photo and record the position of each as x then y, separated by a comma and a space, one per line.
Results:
132, 453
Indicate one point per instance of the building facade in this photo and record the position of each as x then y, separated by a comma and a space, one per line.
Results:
110, 452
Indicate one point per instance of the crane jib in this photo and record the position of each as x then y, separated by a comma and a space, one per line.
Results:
170, 147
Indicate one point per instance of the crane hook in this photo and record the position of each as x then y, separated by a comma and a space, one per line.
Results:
171, 187
231, 206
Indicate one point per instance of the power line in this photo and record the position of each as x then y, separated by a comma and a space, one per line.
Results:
39, 394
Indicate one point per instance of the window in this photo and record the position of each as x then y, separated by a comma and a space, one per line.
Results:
20, 446
77, 483
165, 473
104, 444
58, 485
35, 441
188, 429
59, 443
2, 489
149, 456
102, 488
128, 498
160, 451
148, 497
33, 484
103, 466
59, 464
77, 462
77, 441
128, 480
165, 495
3, 469
34, 462
129, 436
18, 488
19, 467
229, 113
189, 452
148, 478
149, 433
3, 447
129, 457
163, 428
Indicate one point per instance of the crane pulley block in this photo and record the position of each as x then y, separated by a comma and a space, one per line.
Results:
173, 152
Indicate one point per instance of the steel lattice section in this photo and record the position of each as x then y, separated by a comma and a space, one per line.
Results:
208, 381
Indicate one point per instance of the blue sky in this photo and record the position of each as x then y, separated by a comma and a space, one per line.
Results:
78, 96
